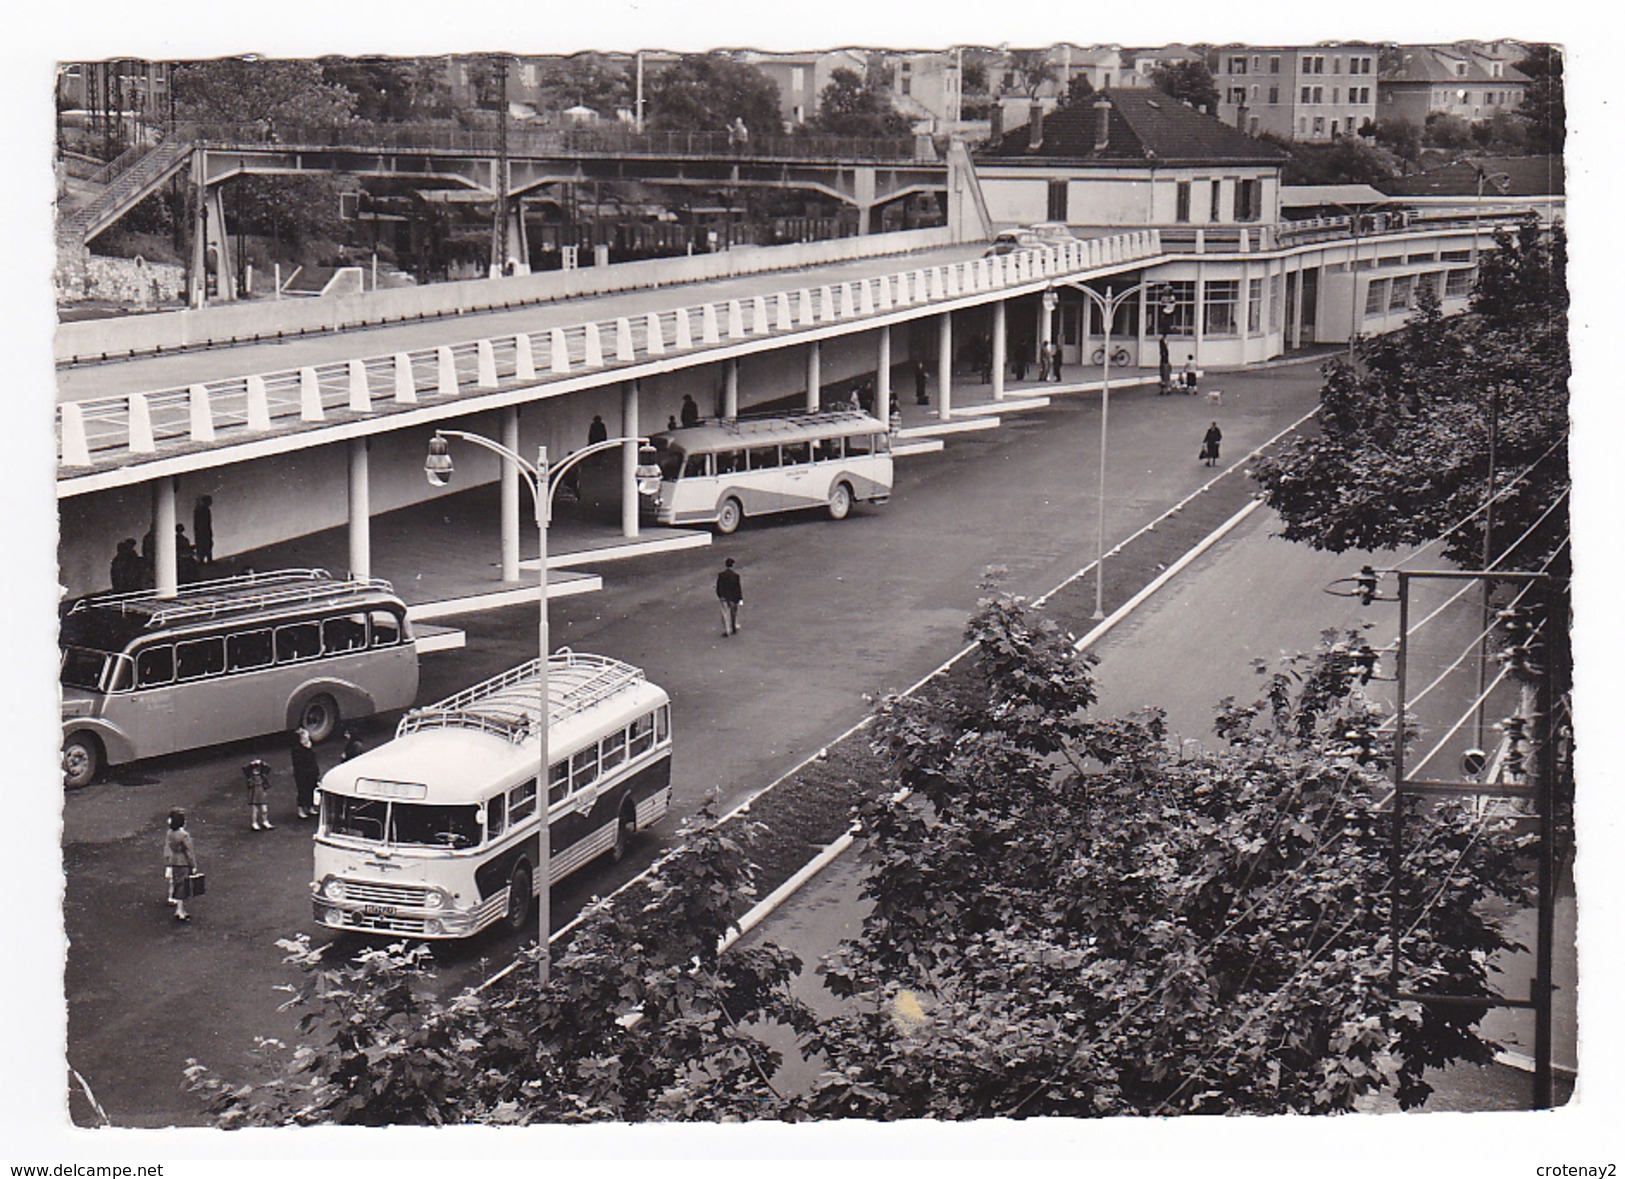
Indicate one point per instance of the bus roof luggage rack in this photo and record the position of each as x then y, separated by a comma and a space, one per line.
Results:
765, 423
232, 595
506, 705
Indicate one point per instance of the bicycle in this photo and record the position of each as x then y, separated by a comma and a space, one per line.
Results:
1120, 355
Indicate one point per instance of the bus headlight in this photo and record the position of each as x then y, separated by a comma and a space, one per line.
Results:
333, 890
432, 928
434, 900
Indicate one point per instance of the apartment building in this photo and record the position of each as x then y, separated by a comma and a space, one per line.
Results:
801, 78
1303, 93
927, 86
1465, 80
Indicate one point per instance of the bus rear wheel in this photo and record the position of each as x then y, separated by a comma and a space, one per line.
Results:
729, 515
81, 760
840, 502
319, 717
518, 898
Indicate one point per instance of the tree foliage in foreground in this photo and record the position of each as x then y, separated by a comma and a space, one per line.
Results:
1402, 455
1078, 923
1069, 919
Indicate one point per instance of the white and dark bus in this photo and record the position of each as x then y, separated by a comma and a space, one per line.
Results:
436, 834
226, 659
721, 472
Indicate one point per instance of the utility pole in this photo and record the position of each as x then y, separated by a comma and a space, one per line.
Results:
499, 222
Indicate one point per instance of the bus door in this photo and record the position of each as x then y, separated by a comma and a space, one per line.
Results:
798, 475
147, 714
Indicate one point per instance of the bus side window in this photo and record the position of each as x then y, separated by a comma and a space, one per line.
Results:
558, 782
496, 816
248, 650
199, 658
386, 628
859, 444
643, 735
302, 640
583, 768
522, 802
348, 632
155, 665
612, 750
662, 722
763, 457
796, 454
829, 450
698, 465
729, 461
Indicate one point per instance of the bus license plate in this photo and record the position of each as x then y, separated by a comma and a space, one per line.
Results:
378, 910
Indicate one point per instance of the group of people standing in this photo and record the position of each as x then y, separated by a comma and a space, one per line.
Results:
134, 569
180, 852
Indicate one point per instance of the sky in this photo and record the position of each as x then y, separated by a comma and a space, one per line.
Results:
32, 1123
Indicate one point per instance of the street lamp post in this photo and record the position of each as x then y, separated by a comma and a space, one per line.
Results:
1107, 305
542, 483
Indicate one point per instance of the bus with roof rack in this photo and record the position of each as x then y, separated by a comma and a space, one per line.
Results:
222, 660
721, 472
436, 834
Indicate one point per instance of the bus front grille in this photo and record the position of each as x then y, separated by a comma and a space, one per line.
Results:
402, 896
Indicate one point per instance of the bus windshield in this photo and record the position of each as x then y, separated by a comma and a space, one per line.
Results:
413, 824
83, 668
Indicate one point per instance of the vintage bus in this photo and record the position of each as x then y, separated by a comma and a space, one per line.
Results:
226, 659
436, 834
722, 472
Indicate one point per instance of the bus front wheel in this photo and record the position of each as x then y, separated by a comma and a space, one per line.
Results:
518, 897
840, 502
728, 516
81, 760
319, 717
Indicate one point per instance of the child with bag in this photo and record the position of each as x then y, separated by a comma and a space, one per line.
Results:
257, 780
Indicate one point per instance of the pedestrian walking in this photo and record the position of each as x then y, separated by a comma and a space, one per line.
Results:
352, 747
1018, 363
1189, 375
1210, 444
731, 594
185, 557
125, 573
180, 861
307, 772
257, 782
1165, 368
690, 412
1043, 361
921, 396
597, 432
203, 530
1054, 361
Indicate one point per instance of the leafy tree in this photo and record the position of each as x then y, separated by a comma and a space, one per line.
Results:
1188, 81
585, 79
1068, 920
848, 106
392, 89
1349, 160
1402, 138
1032, 69
1402, 454
706, 92
643, 1019
1448, 131
1080, 91
1543, 102
248, 90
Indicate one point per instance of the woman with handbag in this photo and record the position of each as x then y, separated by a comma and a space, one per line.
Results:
180, 862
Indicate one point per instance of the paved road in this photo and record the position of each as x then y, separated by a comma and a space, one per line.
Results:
833, 611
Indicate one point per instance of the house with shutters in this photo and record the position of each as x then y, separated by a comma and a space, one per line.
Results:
1301, 93
1131, 159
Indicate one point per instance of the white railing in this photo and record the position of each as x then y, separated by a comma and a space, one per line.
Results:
115, 428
